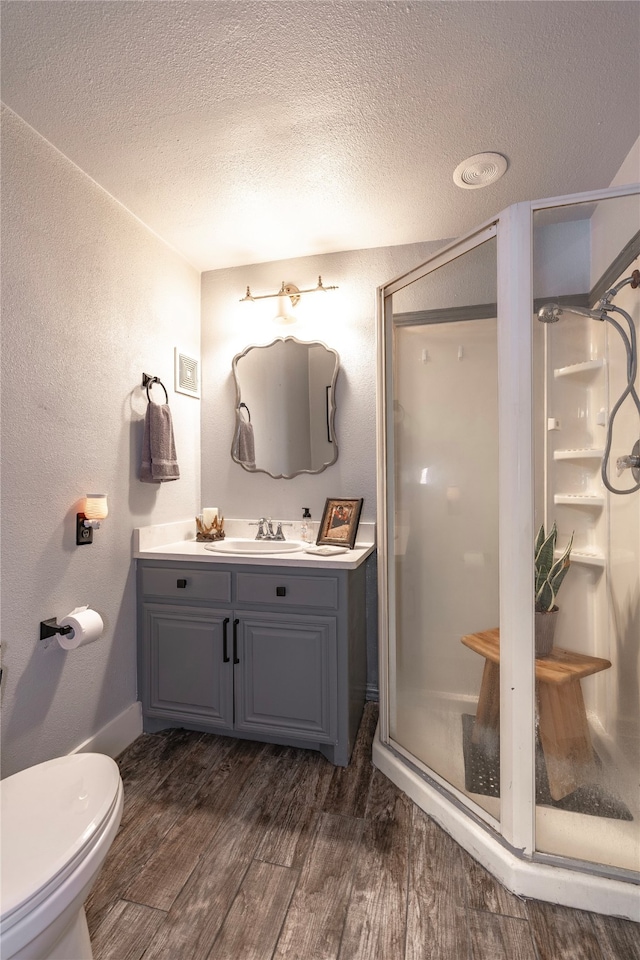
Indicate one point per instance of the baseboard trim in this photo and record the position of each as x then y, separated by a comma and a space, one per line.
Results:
117, 734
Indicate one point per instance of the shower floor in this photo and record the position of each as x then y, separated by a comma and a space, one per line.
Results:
430, 726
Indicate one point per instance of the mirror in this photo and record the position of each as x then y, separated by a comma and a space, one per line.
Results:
285, 408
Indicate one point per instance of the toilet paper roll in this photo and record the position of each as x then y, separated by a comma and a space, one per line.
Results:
86, 626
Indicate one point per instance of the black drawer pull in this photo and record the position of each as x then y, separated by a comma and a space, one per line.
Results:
235, 641
281, 591
225, 652
181, 584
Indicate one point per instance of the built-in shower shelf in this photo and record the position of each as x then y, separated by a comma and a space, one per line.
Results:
575, 368
586, 454
585, 557
579, 499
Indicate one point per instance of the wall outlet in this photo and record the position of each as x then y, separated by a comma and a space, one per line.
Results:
83, 534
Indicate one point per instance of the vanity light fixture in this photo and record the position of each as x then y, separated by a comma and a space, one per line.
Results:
95, 510
288, 290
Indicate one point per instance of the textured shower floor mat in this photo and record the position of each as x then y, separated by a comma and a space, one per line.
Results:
482, 775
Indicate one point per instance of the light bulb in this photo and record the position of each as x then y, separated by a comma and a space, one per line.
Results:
283, 317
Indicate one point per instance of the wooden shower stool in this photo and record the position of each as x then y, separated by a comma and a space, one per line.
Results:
563, 727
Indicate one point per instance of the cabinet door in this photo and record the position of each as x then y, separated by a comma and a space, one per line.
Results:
185, 675
286, 676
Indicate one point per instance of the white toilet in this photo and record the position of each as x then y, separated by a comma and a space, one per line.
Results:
59, 819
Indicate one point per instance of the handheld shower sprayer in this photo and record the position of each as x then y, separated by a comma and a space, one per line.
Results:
552, 312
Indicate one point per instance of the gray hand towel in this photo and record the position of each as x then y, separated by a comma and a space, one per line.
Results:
159, 462
244, 450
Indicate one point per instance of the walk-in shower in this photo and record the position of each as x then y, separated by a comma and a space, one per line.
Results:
490, 425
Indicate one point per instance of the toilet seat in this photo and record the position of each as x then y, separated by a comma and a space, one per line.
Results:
52, 815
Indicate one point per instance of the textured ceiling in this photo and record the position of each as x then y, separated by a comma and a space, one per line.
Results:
247, 131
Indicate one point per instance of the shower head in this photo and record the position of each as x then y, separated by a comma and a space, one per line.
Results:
551, 313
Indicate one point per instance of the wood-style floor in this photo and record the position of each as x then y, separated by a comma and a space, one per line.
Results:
232, 850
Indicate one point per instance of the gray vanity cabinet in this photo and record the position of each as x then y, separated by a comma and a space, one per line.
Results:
286, 676
186, 675
266, 653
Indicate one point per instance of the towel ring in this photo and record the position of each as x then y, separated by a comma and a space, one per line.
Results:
148, 381
240, 406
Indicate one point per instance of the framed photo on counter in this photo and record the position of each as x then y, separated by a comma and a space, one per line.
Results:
339, 523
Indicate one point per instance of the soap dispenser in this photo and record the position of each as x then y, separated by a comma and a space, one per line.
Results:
306, 531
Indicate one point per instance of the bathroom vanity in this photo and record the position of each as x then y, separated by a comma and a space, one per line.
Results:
264, 648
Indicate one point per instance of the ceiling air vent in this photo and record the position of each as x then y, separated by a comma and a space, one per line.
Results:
187, 374
479, 170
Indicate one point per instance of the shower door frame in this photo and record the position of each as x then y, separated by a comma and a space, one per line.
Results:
506, 847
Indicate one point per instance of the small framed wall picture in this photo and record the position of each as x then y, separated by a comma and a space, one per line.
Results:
339, 523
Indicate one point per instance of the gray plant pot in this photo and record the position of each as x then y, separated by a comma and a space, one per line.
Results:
545, 628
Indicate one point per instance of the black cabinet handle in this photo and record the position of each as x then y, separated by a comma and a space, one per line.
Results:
181, 584
225, 652
235, 641
281, 591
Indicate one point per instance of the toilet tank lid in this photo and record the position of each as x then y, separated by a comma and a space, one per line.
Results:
48, 814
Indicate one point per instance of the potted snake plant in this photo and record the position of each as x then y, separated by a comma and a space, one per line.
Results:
549, 574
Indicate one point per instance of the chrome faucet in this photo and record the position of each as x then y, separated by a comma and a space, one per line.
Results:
265, 529
262, 533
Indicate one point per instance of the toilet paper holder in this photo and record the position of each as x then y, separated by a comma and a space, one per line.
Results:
80, 627
51, 628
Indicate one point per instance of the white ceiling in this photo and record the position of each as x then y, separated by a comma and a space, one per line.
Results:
243, 131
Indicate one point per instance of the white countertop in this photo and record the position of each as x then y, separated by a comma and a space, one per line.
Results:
176, 541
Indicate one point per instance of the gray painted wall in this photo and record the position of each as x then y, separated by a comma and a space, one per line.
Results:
90, 299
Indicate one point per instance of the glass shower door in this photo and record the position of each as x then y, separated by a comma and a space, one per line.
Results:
444, 523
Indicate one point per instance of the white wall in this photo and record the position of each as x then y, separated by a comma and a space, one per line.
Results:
90, 299
629, 171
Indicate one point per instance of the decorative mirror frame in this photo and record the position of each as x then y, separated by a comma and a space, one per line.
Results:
331, 406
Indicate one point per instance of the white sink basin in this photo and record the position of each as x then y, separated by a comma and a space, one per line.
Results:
238, 545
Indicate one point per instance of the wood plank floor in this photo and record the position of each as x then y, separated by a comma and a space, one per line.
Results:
232, 850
